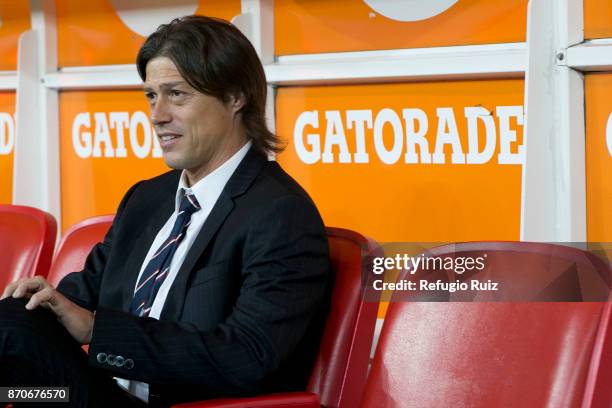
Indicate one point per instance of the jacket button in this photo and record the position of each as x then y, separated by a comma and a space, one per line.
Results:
128, 364
119, 361
111, 359
101, 357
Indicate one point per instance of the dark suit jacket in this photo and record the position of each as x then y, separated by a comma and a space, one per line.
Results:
246, 310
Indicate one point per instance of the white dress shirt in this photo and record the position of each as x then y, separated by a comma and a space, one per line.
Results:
206, 191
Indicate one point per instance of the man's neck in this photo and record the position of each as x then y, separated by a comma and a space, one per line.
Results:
192, 177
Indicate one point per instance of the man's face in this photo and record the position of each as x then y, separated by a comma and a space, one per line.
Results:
197, 132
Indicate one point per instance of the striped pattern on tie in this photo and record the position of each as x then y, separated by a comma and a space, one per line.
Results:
157, 269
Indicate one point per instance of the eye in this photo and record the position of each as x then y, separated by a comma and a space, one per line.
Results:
176, 92
150, 96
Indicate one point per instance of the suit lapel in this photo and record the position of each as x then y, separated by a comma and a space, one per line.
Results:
238, 183
163, 201
173, 306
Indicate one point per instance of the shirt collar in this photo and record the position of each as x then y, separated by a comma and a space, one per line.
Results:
209, 188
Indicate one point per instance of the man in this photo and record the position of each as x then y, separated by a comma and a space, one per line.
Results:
213, 279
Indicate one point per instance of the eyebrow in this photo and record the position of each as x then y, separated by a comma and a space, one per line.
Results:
164, 86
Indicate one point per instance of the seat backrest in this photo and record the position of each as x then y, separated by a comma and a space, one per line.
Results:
27, 239
486, 354
340, 370
76, 244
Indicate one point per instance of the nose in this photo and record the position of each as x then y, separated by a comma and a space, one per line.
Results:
160, 113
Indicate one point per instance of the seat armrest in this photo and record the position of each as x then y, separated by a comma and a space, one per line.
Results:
281, 400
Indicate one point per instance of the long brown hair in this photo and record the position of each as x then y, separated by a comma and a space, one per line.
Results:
215, 58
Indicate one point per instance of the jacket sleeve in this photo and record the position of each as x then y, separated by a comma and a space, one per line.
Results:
83, 287
285, 279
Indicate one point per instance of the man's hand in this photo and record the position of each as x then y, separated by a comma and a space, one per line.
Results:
77, 320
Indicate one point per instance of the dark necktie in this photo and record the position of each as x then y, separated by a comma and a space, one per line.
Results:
158, 267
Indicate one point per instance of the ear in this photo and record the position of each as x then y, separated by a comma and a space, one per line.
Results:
237, 102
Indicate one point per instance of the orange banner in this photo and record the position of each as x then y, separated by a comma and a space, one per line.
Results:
14, 20
105, 32
107, 144
409, 162
303, 27
597, 19
598, 115
7, 145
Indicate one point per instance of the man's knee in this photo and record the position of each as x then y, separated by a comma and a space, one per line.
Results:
15, 319
12, 305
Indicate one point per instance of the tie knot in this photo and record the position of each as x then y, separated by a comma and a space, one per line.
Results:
189, 203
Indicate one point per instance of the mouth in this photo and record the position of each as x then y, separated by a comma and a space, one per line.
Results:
168, 139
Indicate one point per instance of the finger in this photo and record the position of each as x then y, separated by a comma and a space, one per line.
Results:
10, 289
44, 296
31, 285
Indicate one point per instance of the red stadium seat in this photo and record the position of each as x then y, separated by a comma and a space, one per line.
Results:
76, 244
27, 240
340, 370
486, 354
